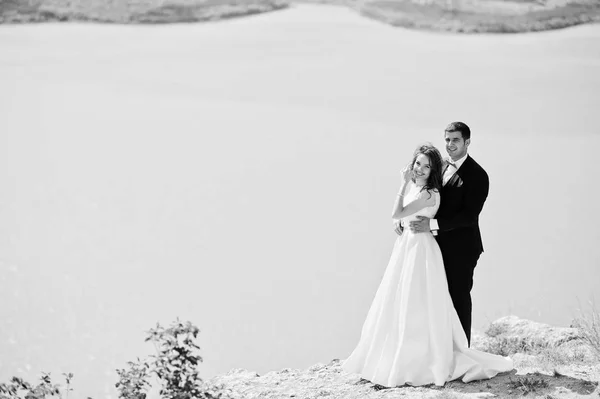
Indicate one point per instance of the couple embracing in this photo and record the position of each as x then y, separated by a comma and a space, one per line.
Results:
417, 331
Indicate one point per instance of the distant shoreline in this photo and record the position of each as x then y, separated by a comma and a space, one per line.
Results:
456, 16
132, 11
484, 17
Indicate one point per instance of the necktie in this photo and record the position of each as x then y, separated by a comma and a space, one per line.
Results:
449, 171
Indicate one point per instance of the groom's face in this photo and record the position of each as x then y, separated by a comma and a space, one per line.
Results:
456, 146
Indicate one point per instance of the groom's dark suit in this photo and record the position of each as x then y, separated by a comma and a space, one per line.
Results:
462, 199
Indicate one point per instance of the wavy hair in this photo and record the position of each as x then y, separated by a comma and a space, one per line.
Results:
434, 182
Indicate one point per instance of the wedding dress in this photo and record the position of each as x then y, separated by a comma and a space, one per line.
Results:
412, 334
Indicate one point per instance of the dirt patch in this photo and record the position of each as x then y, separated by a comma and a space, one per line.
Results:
514, 385
332, 382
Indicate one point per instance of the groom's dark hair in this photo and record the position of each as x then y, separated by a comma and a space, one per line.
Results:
459, 127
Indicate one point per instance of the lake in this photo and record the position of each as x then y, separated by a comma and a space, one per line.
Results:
241, 175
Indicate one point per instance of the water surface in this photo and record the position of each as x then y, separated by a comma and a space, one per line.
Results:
241, 175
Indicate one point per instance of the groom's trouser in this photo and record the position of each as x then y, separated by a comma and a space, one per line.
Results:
460, 282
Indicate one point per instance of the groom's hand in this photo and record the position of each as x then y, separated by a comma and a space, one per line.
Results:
420, 226
398, 227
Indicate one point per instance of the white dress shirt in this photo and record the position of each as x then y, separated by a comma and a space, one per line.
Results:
433, 223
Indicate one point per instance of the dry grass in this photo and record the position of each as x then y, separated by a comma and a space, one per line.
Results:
541, 351
528, 384
538, 354
508, 346
588, 323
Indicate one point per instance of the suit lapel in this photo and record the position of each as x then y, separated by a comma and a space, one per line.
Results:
457, 179
454, 181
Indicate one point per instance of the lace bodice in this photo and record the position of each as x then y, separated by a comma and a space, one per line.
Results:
414, 192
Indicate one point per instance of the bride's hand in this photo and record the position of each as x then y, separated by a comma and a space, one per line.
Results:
398, 227
407, 173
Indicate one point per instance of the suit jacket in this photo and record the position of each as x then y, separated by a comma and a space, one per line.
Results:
462, 200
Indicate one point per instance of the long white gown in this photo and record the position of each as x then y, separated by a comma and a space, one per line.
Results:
412, 334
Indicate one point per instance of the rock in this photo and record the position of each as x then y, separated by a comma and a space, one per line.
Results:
513, 327
536, 368
243, 373
479, 340
317, 367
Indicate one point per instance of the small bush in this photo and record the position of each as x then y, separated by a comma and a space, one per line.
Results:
175, 364
18, 388
133, 382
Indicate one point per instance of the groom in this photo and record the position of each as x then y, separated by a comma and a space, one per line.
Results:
456, 224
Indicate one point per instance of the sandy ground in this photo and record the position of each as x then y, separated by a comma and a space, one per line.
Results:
329, 380
241, 175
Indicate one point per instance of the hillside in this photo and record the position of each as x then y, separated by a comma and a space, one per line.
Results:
550, 362
461, 16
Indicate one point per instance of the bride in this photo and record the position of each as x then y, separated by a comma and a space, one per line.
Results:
412, 334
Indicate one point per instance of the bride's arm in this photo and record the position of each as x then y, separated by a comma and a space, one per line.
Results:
423, 200
399, 199
426, 199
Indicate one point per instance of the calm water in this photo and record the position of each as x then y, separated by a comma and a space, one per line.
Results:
241, 175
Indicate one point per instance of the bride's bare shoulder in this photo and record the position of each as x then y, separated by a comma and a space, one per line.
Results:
430, 195
431, 191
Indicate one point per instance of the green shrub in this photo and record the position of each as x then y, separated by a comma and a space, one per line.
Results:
133, 382
175, 364
18, 388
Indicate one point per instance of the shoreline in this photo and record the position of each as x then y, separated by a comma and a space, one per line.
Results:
487, 17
